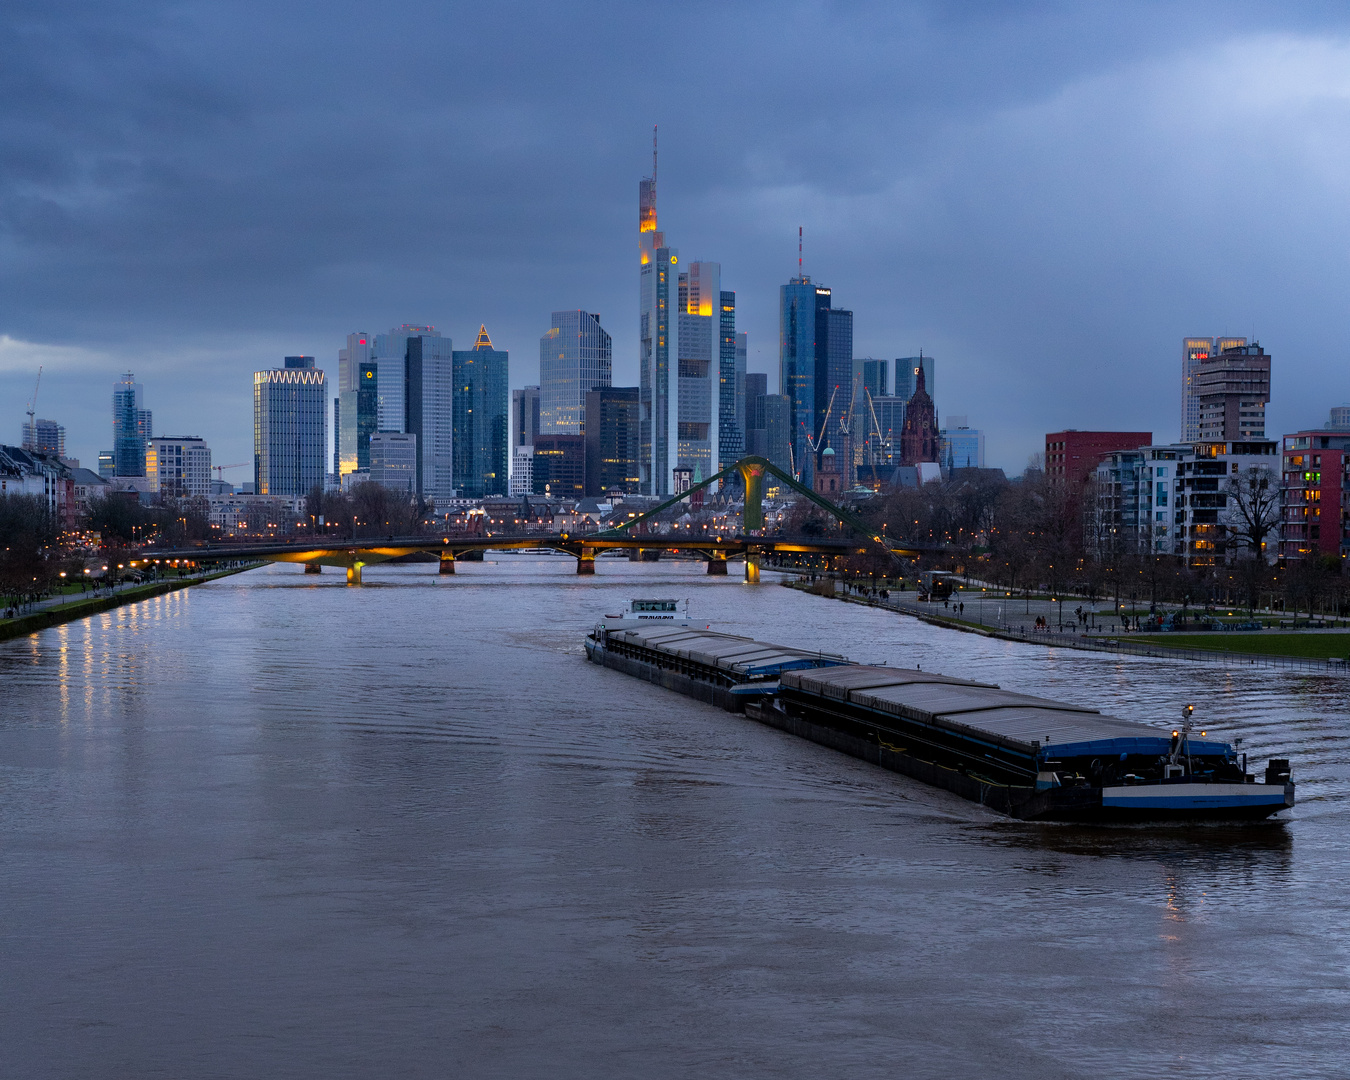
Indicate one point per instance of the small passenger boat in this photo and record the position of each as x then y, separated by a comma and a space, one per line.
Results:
665, 612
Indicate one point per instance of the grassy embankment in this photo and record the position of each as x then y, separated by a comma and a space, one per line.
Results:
1316, 646
79, 609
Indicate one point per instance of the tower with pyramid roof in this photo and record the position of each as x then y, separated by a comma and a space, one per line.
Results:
482, 429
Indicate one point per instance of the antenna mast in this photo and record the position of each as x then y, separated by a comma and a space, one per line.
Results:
653, 158
799, 251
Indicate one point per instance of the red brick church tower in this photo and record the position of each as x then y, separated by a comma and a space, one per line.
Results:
919, 437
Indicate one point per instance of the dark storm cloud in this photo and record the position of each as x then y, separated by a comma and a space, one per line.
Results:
1046, 196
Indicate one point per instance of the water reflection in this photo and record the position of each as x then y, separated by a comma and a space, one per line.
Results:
330, 831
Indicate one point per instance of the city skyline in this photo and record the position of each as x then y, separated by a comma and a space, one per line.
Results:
1014, 276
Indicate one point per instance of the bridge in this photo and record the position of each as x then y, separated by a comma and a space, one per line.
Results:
716, 550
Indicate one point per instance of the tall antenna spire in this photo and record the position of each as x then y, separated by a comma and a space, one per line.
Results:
653, 156
799, 251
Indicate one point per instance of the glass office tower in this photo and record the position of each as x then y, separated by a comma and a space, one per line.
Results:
803, 363
428, 409
358, 417
482, 423
132, 427
575, 355
731, 382
290, 410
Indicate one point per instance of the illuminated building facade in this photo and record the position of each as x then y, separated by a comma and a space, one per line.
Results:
1233, 387
686, 360
612, 441
178, 467
290, 409
1315, 495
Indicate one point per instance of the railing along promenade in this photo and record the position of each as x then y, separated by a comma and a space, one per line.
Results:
1087, 642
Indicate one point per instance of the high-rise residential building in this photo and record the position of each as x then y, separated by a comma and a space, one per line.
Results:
524, 416
907, 376
132, 427
357, 411
560, 466
1194, 352
962, 445
575, 355
919, 438
1314, 490
290, 410
394, 461
482, 426
1339, 419
44, 437
179, 467
428, 409
731, 378
612, 441
1233, 388
685, 341
1071, 456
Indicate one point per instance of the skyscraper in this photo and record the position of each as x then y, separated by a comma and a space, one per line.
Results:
1233, 389
394, 461
132, 427
482, 435
685, 342
907, 376
612, 440
428, 408
575, 355
742, 349
524, 416
805, 371
389, 353
876, 376
1194, 352
358, 417
290, 409
731, 380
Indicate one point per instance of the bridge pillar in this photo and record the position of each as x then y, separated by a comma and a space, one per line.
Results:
447, 563
717, 565
752, 566
586, 561
354, 573
313, 568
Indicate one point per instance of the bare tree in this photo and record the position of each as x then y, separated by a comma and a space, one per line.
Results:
1255, 500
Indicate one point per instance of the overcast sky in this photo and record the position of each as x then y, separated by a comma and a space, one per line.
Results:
1045, 197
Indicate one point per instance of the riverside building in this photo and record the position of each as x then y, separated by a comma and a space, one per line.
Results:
1315, 494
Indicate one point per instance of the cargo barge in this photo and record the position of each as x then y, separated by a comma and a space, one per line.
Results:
1028, 757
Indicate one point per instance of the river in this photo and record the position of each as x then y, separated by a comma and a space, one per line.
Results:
273, 826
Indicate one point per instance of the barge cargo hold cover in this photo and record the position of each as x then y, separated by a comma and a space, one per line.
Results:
1026, 756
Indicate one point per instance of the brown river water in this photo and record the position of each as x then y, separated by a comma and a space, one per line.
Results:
273, 826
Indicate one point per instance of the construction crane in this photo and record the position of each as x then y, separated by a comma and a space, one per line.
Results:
30, 436
236, 465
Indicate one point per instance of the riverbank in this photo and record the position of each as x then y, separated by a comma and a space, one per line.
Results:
48, 617
1288, 651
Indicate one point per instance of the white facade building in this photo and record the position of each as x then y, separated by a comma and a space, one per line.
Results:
178, 467
522, 470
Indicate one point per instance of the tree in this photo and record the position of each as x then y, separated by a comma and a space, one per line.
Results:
1255, 498
28, 538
